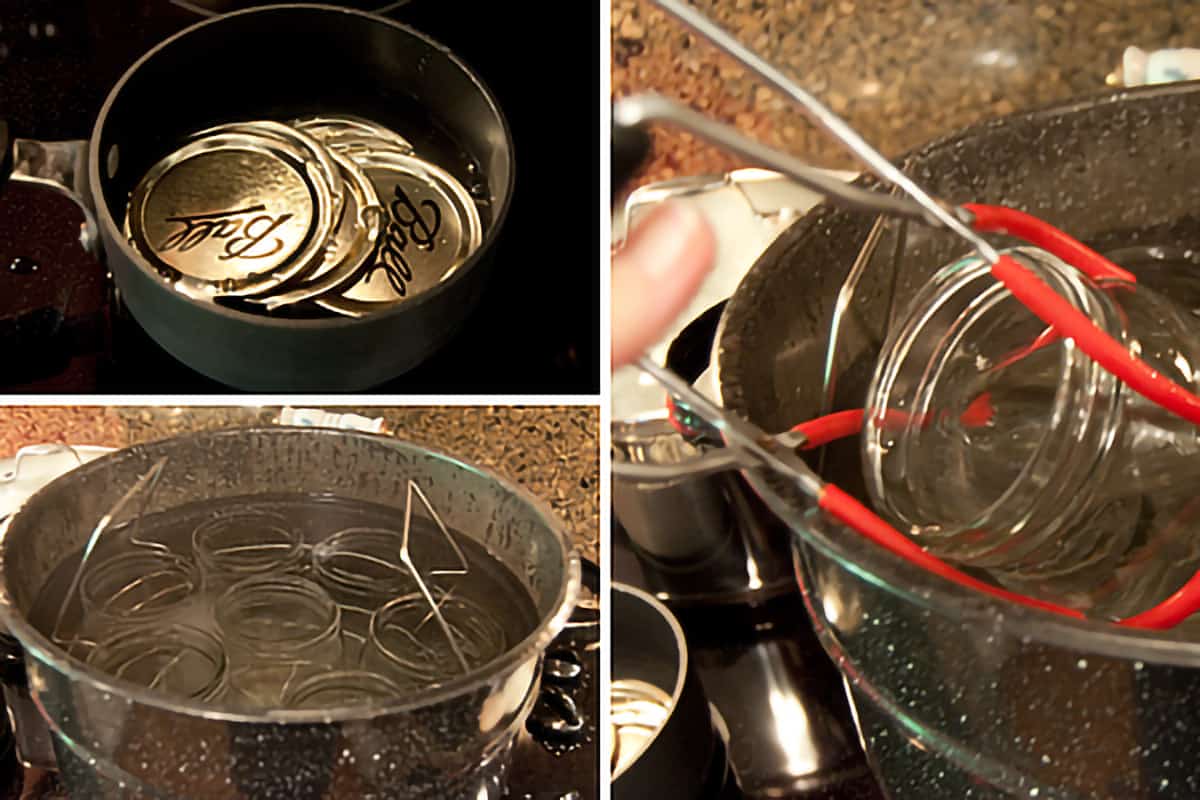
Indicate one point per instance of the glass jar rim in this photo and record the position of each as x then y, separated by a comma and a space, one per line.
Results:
291, 542
143, 639
383, 688
326, 550
170, 562
1080, 380
289, 587
380, 619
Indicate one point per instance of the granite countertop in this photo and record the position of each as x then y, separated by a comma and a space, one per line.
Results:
553, 451
902, 72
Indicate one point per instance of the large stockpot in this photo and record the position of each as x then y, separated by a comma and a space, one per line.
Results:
958, 695
115, 739
282, 62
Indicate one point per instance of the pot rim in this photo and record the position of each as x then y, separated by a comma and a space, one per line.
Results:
34, 643
106, 222
912, 585
681, 672
890, 572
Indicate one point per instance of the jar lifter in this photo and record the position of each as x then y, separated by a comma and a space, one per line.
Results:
747, 446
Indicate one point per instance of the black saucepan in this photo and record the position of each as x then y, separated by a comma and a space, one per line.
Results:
281, 62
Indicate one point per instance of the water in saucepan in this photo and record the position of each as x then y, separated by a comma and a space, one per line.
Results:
286, 601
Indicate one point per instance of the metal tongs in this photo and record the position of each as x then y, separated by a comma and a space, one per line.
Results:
918, 205
748, 446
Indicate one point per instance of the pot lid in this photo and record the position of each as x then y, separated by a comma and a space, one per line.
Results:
431, 227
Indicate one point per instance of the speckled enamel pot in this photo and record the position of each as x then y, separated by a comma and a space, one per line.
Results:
958, 695
114, 739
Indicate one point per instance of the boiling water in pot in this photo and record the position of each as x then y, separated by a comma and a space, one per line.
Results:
295, 601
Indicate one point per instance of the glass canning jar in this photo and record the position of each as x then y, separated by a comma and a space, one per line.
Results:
278, 631
233, 547
997, 445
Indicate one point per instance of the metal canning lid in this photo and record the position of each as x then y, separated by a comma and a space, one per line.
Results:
288, 135
431, 227
353, 241
232, 214
345, 133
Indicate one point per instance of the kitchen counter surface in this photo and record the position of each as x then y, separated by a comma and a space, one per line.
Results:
902, 72
552, 451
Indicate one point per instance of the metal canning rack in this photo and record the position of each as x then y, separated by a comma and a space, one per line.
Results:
412, 627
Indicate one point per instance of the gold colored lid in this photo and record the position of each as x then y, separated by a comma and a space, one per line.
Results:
232, 214
349, 134
431, 227
354, 239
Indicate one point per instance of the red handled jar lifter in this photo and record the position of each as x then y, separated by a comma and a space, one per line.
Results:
1121, 363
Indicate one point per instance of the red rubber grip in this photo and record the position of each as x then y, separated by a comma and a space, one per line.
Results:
1072, 323
849, 511
998, 219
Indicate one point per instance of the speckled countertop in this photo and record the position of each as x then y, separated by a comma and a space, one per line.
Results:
902, 71
552, 451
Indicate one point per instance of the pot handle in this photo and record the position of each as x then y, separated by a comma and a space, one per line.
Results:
560, 721
61, 166
30, 732
630, 148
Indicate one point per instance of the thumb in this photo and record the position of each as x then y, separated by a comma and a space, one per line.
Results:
655, 275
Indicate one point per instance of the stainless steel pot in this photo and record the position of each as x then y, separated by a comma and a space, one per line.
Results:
114, 739
281, 62
667, 740
701, 539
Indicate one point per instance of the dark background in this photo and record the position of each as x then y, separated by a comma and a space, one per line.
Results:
537, 327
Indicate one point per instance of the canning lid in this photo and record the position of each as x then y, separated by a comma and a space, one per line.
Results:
431, 227
348, 134
356, 232
317, 153
233, 213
